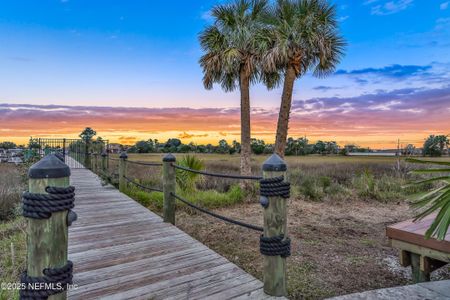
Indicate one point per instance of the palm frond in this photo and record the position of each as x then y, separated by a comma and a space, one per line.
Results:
424, 171
420, 161
438, 200
230, 44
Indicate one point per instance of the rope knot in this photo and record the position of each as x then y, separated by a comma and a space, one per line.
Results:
41, 206
272, 187
276, 245
54, 281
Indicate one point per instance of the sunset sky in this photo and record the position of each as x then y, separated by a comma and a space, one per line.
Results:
129, 69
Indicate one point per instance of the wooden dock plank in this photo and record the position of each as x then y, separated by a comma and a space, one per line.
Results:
121, 250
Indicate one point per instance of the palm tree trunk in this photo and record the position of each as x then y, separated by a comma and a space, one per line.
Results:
244, 83
285, 109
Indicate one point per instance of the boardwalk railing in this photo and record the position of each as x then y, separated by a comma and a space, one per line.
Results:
274, 193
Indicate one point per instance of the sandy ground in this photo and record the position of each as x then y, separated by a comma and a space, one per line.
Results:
337, 247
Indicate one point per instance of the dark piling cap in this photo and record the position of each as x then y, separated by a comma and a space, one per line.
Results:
104, 153
274, 163
123, 155
49, 167
169, 158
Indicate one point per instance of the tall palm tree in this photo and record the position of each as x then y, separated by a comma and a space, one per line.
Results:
301, 36
231, 58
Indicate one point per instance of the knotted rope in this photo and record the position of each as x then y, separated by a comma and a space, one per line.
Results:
276, 245
54, 281
41, 206
272, 187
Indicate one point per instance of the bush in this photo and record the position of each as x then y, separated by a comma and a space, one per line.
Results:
384, 188
364, 184
311, 188
151, 200
215, 199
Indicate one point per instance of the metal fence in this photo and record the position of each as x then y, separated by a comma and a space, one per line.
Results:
77, 153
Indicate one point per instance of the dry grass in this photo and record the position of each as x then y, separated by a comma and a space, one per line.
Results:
337, 248
11, 187
12, 227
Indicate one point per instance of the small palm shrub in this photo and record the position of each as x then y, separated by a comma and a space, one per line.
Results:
186, 180
437, 200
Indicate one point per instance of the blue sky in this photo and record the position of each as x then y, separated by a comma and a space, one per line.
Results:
145, 54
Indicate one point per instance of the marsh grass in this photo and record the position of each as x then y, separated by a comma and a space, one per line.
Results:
203, 198
11, 187
314, 178
12, 227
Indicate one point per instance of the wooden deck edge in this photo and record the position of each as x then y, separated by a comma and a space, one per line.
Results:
423, 251
417, 239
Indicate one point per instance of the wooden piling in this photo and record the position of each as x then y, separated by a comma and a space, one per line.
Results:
95, 163
87, 155
104, 163
275, 224
169, 185
419, 273
122, 171
47, 239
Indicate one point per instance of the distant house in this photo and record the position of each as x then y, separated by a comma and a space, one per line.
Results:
11, 155
377, 153
115, 148
15, 152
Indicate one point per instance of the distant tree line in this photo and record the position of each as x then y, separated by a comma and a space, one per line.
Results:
434, 145
300, 146
7, 145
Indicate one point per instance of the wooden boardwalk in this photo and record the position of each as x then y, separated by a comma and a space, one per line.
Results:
121, 250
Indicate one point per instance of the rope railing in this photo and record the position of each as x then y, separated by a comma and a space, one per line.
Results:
274, 192
243, 177
223, 218
142, 186
154, 164
108, 174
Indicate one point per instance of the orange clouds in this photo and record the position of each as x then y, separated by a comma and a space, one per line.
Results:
374, 120
186, 135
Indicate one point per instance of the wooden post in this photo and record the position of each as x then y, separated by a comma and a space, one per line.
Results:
95, 164
122, 171
275, 224
47, 238
418, 274
169, 185
87, 155
64, 149
104, 162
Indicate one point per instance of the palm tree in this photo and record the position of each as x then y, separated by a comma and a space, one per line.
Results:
231, 58
301, 36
